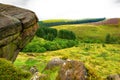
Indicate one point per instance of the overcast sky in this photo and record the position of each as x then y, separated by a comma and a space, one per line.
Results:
70, 9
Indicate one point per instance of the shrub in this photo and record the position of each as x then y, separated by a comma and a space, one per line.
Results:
59, 44
50, 46
107, 39
10, 72
103, 45
65, 34
41, 45
114, 39
49, 37
71, 43
40, 32
34, 47
91, 40
111, 39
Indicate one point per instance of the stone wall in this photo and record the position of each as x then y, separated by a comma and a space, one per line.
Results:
17, 28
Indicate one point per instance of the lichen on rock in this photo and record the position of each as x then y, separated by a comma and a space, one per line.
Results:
17, 28
72, 70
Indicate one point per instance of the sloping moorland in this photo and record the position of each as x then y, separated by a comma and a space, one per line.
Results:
95, 32
101, 58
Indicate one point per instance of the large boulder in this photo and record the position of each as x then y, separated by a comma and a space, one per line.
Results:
72, 70
17, 28
55, 62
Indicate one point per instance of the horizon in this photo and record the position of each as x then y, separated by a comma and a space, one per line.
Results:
74, 9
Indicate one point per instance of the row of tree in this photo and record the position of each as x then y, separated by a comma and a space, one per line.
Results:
51, 34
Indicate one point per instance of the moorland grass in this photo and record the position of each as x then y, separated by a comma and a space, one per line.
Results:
102, 60
97, 33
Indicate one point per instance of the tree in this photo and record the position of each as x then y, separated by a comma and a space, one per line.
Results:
65, 34
47, 33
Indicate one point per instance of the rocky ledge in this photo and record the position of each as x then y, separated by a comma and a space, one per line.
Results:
17, 28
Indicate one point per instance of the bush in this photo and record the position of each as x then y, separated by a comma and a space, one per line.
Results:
49, 37
41, 45
50, 46
65, 34
10, 72
91, 40
59, 44
47, 33
34, 47
108, 38
111, 39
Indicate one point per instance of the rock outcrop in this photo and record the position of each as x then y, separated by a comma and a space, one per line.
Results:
55, 62
72, 70
17, 28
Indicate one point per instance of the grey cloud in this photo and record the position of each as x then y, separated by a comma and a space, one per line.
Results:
117, 1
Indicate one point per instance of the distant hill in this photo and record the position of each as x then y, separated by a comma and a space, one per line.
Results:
110, 22
95, 31
49, 23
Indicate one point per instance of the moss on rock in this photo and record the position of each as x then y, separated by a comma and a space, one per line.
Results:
10, 72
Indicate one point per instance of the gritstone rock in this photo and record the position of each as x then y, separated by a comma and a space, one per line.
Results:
72, 70
17, 28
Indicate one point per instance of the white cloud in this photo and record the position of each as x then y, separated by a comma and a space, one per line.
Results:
69, 9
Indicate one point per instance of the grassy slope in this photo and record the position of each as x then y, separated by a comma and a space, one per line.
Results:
84, 31
103, 60
56, 20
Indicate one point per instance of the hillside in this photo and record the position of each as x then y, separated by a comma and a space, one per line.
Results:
101, 60
94, 31
111, 22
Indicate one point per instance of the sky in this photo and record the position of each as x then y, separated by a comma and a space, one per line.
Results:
70, 9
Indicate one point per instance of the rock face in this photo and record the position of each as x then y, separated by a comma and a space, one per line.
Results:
72, 70
17, 28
